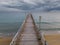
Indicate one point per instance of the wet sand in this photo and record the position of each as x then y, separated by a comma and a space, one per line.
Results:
52, 37
5, 40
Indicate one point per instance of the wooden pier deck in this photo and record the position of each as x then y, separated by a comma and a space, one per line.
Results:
28, 34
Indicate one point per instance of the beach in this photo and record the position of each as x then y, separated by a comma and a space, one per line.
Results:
5, 40
52, 37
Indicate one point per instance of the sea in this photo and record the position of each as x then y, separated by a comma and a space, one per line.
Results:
10, 22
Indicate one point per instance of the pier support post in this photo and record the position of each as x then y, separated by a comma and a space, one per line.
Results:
39, 22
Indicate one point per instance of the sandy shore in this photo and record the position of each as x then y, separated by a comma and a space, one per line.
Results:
52, 37
5, 40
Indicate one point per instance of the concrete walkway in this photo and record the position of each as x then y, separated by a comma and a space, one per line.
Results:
28, 37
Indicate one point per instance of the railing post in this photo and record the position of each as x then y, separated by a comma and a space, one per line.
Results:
39, 22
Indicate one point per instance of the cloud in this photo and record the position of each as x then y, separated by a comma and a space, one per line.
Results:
30, 5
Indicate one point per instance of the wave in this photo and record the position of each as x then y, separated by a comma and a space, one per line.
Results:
49, 25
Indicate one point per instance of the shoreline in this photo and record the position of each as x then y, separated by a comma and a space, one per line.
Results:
51, 32
52, 37
5, 40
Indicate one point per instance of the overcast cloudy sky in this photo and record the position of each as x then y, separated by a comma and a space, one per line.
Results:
29, 5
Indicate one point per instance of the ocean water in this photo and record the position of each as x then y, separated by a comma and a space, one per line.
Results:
50, 21
10, 22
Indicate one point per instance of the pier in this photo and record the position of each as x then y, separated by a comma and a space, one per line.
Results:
28, 34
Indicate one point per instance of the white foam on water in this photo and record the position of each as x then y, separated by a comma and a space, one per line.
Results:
1, 33
58, 31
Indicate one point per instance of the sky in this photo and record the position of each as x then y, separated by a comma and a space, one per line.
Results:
30, 5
